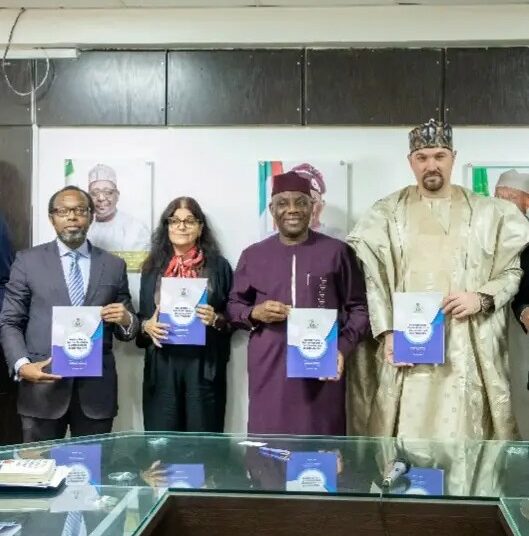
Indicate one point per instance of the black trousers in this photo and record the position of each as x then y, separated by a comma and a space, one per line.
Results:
36, 429
10, 425
180, 398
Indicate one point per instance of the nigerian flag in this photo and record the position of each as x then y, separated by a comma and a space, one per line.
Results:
68, 171
480, 181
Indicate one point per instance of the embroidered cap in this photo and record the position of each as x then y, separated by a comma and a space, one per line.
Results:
430, 135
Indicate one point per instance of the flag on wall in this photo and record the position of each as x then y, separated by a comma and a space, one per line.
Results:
480, 181
69, 171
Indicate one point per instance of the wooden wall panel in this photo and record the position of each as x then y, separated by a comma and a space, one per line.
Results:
373, 86
105, 88
234, 87
487, 86
15, 110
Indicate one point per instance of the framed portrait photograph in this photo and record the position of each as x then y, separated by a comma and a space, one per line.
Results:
329, 186
506, 180
122, 192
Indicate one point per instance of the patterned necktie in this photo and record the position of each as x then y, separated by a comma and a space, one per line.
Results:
75, 280
74, 525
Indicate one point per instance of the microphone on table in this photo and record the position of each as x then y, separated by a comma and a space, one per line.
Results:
399, 467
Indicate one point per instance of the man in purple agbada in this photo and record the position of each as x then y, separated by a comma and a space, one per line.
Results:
327, 276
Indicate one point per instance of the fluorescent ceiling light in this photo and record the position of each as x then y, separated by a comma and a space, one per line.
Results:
22, 53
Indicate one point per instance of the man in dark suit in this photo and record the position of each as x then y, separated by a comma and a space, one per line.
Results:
520, 303
9, 422
67, 271
6, 257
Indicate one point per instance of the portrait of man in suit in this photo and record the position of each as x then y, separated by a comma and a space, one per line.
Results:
68, 271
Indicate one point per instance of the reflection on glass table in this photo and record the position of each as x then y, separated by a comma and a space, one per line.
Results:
123, 476
76, 510
516, 512
357, 466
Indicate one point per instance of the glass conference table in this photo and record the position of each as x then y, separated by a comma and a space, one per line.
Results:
120, 482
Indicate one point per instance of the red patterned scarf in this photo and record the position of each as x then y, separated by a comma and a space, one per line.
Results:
187, 265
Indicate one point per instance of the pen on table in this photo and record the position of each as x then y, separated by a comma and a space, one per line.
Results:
275, 453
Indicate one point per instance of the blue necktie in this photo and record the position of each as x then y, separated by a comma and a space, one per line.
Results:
74, 525
75, 280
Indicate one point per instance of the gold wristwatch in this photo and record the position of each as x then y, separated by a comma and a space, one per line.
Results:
487, 303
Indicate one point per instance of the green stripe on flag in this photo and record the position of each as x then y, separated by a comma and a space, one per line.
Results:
265, 168
68, 167
480, 181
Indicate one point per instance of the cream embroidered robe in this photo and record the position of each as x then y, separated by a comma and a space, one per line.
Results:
464, 243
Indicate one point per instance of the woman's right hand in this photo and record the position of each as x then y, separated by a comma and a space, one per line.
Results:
156, 330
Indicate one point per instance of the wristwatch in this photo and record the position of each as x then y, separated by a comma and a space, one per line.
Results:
142, 326
214, 323
487, 303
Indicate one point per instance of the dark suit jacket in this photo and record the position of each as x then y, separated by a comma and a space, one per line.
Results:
521, 300
37, 284
6, 258
217, 349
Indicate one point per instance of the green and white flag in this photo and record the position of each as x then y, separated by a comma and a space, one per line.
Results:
69, 172
480, 181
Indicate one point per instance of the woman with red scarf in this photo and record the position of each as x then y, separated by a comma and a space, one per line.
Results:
184, 386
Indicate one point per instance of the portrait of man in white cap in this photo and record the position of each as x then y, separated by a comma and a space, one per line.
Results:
113, 229
513, 186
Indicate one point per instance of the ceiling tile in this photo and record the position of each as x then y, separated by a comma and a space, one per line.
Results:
189, 3
53, 4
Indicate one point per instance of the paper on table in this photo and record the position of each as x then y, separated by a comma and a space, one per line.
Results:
248, 443
60, 474
82, 498
9, 528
